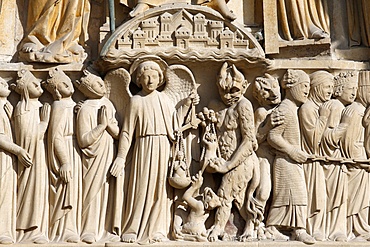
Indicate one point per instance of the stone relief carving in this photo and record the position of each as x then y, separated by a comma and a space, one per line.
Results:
8, 180
307, 19
96, 130
147, 148
150, 122
239, 163
289, 201
64, 161
56, 31
218, 5
33, 192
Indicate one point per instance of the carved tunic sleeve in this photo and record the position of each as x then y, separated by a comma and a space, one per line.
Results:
285, 137
128, 127
312, 127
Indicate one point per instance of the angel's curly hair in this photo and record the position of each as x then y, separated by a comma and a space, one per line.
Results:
149, 65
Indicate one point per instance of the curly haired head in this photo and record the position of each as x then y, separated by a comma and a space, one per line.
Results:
341, 79
293, 77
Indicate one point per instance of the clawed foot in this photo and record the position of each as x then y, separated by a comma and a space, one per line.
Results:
213, 236
245, 238
139, 9
129, 238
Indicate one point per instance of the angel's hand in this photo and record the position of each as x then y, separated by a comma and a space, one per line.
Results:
193, 99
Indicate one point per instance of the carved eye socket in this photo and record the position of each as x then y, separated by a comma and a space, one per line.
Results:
234, 90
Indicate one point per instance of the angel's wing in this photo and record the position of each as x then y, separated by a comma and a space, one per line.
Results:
119, 81
180, 83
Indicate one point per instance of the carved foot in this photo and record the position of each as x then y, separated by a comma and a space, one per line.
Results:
6, 240
228, 14
76, 49
340, 238
29, 47
88, 238
73, 239
319, 34
275, 234
318, 236
302, 236
40, 240
245, 238
139, 9
213, 236
129, 238
158, 238
113, 238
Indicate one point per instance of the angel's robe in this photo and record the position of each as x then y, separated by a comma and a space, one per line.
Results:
312, 127
336, 179
352, 146
151, 122
32, 201
97, 157
65, 198
8, 181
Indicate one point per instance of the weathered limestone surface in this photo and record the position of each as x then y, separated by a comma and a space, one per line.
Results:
184, 123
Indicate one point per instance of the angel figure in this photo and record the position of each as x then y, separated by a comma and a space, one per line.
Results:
151, 123
65, 166
97, 128
8, 181
31, 125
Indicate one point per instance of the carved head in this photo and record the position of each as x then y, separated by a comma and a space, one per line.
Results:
345, 87
27, 85
210, 199
149, 76
180, 156
231, 84
322, 85
59, 84
4, 88
297, 83
266, 90
92, 86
